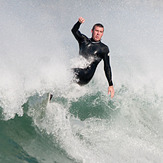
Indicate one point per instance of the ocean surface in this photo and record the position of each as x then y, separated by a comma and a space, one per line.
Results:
81, 124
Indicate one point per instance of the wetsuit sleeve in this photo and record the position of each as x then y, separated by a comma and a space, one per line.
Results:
107, 68
76, 32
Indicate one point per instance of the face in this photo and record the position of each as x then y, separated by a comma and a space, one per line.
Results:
97, 33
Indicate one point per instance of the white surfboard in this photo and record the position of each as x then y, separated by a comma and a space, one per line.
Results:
39, 101
45, 99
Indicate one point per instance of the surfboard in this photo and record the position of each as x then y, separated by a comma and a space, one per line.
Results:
45, 99
40, 101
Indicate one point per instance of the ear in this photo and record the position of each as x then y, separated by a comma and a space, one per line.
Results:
91, 30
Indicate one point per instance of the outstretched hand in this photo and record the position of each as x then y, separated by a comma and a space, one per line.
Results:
111, 91
81, 20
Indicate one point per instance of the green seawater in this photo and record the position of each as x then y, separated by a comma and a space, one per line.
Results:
22, 142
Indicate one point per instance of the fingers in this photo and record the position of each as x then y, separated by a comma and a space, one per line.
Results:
81, 20
111, 91
112, 94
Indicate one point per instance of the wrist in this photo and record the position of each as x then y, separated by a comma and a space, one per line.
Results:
110, 83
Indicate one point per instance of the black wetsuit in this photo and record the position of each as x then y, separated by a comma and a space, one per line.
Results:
89, 48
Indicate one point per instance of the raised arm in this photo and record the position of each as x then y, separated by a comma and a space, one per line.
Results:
75, 29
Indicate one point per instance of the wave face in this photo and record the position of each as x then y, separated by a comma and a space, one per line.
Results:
82, 124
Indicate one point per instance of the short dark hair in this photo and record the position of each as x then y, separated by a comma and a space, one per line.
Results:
98, 25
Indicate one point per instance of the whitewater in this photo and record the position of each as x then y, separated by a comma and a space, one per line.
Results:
81, 124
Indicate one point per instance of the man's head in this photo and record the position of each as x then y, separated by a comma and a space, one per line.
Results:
97, 31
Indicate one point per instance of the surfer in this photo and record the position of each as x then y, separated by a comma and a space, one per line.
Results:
93, 50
